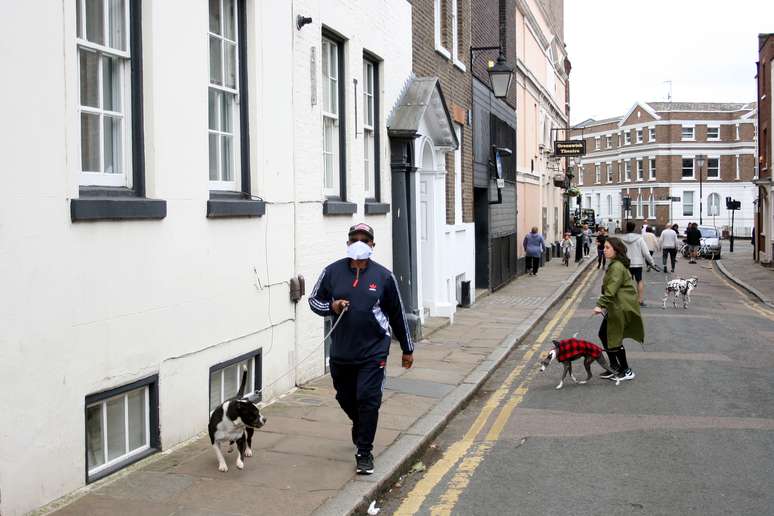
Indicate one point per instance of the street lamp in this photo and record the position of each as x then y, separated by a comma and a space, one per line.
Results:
500, 73
500, 76
700, 159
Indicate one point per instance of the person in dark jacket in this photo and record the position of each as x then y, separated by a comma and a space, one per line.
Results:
693, 239
364, 301
534, 247
601, 239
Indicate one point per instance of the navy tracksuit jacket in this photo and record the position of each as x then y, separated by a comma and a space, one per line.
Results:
361, 341
374, 305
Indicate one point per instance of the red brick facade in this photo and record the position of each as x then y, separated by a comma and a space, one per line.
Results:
455, 83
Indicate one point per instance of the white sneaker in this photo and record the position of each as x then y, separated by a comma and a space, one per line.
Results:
626, 375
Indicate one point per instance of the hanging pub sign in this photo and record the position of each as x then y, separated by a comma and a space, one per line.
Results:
569, 148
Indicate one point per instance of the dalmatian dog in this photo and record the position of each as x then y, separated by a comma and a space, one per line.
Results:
679, 287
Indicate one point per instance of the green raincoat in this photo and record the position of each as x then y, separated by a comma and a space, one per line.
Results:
619, 298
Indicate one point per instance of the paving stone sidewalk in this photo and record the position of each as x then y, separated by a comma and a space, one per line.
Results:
740, 268
304, 458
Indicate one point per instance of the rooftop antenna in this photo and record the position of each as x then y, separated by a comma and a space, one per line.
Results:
669, 92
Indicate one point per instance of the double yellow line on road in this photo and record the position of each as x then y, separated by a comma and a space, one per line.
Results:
460, 449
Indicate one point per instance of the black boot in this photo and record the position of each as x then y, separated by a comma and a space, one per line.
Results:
612, 357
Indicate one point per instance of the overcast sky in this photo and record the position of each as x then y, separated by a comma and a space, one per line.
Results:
623, 50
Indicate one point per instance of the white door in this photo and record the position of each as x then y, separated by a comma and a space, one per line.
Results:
427, 234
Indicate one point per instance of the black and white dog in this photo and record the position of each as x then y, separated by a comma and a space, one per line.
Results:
235, 420
679, 287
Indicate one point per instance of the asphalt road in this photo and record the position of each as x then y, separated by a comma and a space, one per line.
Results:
693, 433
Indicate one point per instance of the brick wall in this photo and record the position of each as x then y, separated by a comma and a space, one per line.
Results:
456, 84
765, 61
485, 32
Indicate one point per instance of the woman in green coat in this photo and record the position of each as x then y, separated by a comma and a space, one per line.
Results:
619, 304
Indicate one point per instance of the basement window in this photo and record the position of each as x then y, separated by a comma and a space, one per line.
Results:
225, 378
121, 427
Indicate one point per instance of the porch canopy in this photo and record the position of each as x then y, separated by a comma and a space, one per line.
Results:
422, 99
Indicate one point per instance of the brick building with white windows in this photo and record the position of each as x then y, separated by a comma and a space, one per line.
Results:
650, 155
168, 179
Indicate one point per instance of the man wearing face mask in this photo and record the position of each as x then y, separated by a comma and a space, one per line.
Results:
365, 296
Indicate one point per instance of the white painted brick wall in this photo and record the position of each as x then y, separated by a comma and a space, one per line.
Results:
382, 27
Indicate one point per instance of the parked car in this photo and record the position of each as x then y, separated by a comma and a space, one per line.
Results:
710, 237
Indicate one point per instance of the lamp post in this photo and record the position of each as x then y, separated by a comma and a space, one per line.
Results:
700, 160
500, 74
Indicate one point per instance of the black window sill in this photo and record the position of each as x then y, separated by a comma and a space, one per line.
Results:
234, 204
376, 208
115, 204
121, 465
332, 207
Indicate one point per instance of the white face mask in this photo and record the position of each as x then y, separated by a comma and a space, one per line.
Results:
359, 251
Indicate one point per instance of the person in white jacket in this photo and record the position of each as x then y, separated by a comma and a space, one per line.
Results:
638, 254
668, 243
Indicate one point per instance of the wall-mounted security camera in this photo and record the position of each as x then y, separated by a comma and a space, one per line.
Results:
302, 20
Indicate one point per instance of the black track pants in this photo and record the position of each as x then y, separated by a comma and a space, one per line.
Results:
672, 253
359, 393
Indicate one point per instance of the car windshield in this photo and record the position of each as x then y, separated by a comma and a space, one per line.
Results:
709, 232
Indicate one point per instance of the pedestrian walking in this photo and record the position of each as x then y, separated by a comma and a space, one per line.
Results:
638, 256
577, 235
586, 240
650, 241
667, 242
601, 239
618, 304
693, 239
567, 246
363, 298
534, 247
645, 227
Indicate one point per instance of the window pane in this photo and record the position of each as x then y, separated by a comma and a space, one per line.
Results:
229, 19
214, 385
334, 94
370, 110
216, 68
137, 425
78, 19
214, 160
117, 26
113, 145
213, 107
95, 21
250, 363
111, 84
89, 64
334, 60
90, 142
95, 453
231, 73
330, 152
215, 16
325, 74
367, 160
116, 431
226, 112
227, 158
230, 381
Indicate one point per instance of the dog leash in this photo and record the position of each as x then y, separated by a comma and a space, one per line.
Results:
311, 354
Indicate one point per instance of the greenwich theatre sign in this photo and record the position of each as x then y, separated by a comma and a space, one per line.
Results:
569, 148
